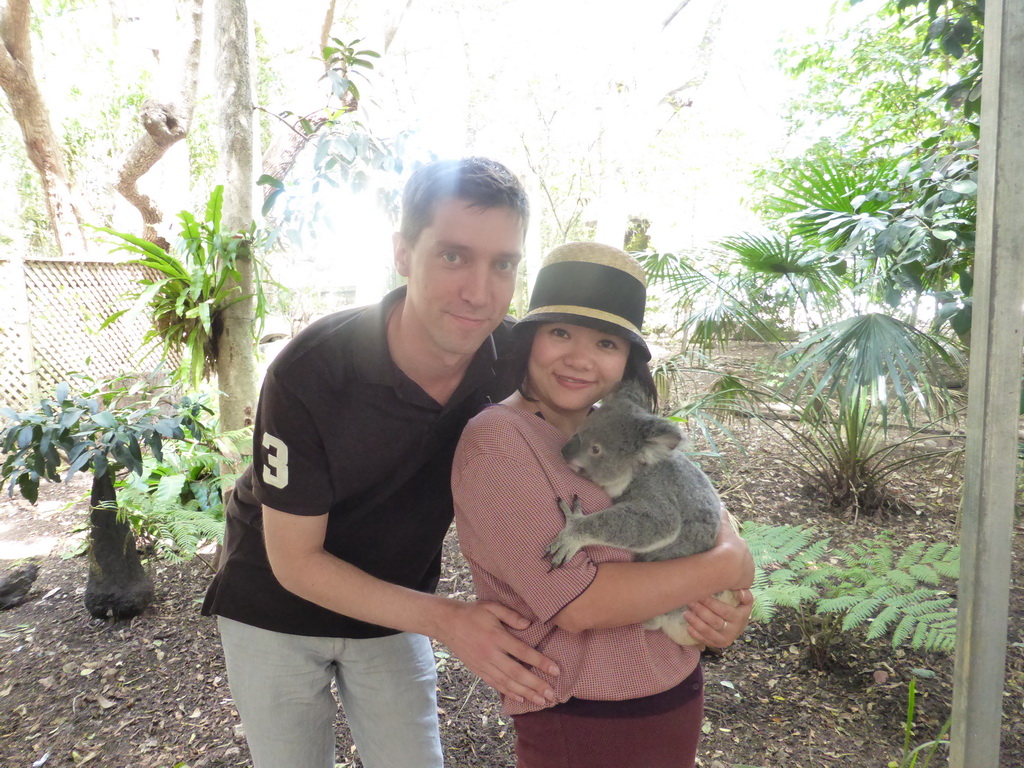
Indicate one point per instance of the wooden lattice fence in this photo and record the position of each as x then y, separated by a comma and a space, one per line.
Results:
50, 314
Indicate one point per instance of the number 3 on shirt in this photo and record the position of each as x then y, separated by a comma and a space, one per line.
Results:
275, 468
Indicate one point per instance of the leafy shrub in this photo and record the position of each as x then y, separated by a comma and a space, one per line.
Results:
175, 504
869, 585
73, 432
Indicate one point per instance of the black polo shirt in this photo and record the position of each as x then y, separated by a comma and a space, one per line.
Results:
340, 429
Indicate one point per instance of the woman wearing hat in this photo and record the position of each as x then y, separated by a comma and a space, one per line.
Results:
627, 696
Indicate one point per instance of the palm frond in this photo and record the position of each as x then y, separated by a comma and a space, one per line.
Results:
874, 356
716, 307
833, 202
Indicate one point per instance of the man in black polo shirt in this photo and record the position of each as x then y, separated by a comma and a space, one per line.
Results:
333, 543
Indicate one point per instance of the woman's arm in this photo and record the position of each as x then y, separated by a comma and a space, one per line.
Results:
631, 592
504, 485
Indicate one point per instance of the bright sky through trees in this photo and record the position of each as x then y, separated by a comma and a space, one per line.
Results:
577, 91
604, 109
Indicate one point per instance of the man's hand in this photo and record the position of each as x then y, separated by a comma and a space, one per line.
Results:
718, 624
474, 633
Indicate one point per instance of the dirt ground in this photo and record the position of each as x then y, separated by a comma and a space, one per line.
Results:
152, 692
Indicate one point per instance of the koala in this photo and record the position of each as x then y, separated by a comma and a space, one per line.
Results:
665, 506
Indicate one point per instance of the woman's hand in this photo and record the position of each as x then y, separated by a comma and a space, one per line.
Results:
718, 624
729, 536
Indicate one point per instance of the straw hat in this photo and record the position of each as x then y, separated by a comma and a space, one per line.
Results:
593, 285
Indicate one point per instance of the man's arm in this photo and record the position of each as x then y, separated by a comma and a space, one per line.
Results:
473, 631
632, 592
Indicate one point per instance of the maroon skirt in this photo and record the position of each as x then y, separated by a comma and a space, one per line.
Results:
659, 731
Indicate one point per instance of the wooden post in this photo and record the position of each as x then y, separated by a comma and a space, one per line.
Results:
993, 405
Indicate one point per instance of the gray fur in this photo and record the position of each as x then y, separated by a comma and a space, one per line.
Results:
665, 506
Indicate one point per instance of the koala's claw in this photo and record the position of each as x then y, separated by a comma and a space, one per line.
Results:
576, 510
560, 550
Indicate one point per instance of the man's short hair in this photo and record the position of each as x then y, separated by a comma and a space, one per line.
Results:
481, 182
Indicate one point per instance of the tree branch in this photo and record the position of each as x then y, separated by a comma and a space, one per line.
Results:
29, 111
325, 29
165, 124
15, 30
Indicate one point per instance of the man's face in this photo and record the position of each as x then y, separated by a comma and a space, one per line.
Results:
462, 272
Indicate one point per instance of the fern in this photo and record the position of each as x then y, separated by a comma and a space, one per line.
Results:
912, 554
870, 586
859, 613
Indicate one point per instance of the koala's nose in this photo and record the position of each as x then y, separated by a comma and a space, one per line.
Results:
572, 448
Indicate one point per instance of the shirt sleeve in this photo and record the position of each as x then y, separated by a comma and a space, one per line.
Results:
290, 469
507, 514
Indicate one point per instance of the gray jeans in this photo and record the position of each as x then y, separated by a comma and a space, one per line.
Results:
281, 685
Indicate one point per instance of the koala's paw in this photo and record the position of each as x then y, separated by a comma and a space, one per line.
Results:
565, 545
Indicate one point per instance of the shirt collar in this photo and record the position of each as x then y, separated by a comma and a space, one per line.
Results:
373, 359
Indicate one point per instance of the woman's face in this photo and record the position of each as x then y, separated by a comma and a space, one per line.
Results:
571, 367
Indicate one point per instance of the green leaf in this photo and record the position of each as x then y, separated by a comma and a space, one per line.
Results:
269, 181
25, 437
134, 244
342, 147
215, 207
104, 419
268, 203
70, 417
77, 464
29, 487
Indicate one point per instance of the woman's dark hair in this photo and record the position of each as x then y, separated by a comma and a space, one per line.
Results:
481, 182
517, 360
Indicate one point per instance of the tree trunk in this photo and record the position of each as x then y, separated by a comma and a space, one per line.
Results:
118, 586
233, 71
17, 79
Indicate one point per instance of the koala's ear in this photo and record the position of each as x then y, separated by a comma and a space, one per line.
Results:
634, 393
660, 439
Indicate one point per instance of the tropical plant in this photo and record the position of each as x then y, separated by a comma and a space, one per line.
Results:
895, 193
869, 361
715, 307
84, 433
710, 413
834, 591
788, 271
901, 228
188, 298
848, 456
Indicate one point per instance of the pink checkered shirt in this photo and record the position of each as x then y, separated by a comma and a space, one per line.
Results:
506, 477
